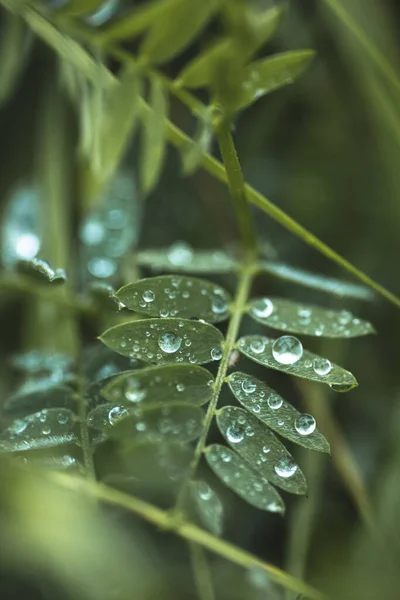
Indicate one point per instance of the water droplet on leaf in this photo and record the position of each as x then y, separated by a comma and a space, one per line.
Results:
148, 296
286, 467
305, 424
275, 401
169, 342
262, 308
234, 434
322, 366
287, 350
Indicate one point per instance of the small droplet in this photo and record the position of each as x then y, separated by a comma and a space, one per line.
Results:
286, 467
262, 308
266, 449
164, 312
275, 401
180, 387
234, 434
169, 342
46, 430
63, 418
345, 317
148, 296
305, 424
322, 366
287, 350
248, 386
117, 413
205, 491
257, 346
218, 305
216, 353
133, 391
180, 253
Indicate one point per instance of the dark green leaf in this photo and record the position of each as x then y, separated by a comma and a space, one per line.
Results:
36, 398
176, 296
76, 8
201, 70
178, 27
317, 282
238, 475
307, 319
162, 341
208, 506
13, 46
261, 449
274, 411
174, 422
154, 136
187, 383
181, 258
43, 429
309, 365
270, 74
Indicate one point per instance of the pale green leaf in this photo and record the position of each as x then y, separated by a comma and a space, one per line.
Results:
239, 476
269, 74
176, 296
68, 49
270, 408
37, 398
153, 136
261, 449
77, 8
13, 46
178, 27
192, 154
309, 366
162, 341
208, 506
201, 70
307, 319
119, 121
174, 422
261, 27
43, 460
41, 271
43, 429
181, 258
169, 383
317, 282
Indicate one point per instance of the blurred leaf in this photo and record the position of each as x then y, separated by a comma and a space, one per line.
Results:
68, 49
317, 282
193, 153
208, 506
172, 422
261, 449
119, 121
261, 27
13, 46
269, 74
77, 8
177, 28
307, 319
309, 365
169, 383
43, 429
176, 296
181, 258
163, 341
200, 71
153, 137
274, 411
103, 294
41, 271
238, 475
38, 398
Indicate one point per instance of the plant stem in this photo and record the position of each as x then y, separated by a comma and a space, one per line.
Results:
201, 572
236, 186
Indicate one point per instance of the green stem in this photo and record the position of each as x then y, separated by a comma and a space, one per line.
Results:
236, 186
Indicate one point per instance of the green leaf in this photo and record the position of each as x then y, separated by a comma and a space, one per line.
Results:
153, 137
43, 429
76, 8
307, 319
13, 46
262, 26
238, 475
261, 449
200, 71
162, 341
170, 383
317, 282
173, 422
119, 121
38, 398
270, 408
176, 296
68, 49
41, 271
181, 258
179, 26
208, 506
193, 153
63, 462
269, 74
309, 366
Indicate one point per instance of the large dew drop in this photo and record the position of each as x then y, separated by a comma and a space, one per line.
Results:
275, 401
218, 305
234, 434
248, 386
262, 308
169, 342
116, 414
305, 424
216, 353
287, 350
148, 296
322, 366
285, 467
